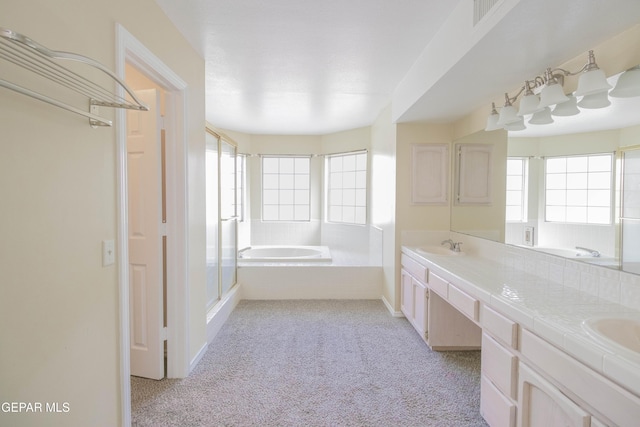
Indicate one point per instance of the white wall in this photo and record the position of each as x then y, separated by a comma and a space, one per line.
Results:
59, 308
383, 200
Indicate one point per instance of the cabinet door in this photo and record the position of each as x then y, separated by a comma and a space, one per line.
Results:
543, 405
474, 174
420, 305
406, 295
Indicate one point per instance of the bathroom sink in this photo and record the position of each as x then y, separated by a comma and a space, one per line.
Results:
621, 333
437, 250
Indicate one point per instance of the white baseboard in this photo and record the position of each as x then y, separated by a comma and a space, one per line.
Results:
219, 313
198, 357
390, 308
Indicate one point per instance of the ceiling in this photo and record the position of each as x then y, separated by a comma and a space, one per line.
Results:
303, 67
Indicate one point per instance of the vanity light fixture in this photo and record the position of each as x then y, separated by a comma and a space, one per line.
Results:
508, 113
529, 104
492, 120
544, 97
592, 79
628, 84
542, 117
517, 125
552, 92
595, 100
567, 108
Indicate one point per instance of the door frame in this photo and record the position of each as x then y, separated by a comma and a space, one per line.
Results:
130, 50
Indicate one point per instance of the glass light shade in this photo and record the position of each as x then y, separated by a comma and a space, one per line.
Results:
591, 82
596, 100
507, 115
492, 122
515, 126
551, 95
567, 108
628, 84
542, 117
529, 105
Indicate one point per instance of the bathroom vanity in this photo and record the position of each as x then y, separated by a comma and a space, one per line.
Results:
444, 316
539, 365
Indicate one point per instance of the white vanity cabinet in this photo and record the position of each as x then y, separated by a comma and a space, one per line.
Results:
552, 381
414, 295
543, 405
525, 380
452, 317
426, 301
414, 303
499, 369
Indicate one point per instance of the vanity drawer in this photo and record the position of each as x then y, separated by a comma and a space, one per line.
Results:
416, 269
438, 284
467, 305
612, 401
497, 410
500, 366
500, 327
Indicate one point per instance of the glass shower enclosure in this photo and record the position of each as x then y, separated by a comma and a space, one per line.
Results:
221, 216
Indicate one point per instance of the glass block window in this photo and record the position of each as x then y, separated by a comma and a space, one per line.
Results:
346, 188
285, 188
517, 189
578, 189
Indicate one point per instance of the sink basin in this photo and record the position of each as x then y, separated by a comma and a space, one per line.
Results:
437, 250
621, 333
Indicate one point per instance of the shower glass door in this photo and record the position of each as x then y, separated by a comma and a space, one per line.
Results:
212, 219
228, 216
630, 212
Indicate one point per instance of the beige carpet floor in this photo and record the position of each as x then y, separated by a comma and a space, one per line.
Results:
316, 363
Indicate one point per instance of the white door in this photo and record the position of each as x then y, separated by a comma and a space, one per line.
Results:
144, 176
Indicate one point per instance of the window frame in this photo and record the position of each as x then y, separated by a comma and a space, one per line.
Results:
328, 192
610, 188
524, 189
279, 188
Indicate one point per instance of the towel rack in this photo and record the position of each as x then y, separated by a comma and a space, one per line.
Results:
47, 64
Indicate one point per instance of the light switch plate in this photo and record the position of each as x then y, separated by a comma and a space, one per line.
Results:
108, 252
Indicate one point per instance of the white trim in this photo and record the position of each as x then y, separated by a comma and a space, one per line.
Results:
390, 308
130, 50
219, 313
199, 356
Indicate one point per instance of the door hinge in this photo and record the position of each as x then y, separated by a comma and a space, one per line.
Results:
163, 229
164, 334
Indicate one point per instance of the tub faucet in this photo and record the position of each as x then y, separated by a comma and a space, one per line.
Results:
593, 252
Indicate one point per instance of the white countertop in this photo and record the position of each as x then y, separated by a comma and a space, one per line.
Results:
553, 311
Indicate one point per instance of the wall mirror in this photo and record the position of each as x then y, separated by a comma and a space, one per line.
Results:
565, 186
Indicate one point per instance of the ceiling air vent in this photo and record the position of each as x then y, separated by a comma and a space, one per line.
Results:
481, 8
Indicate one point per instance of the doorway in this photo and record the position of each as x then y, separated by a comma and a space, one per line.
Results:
147, 237
130, 52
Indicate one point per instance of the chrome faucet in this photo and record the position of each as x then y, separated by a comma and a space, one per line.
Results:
593, 252
450, 242
453, 246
